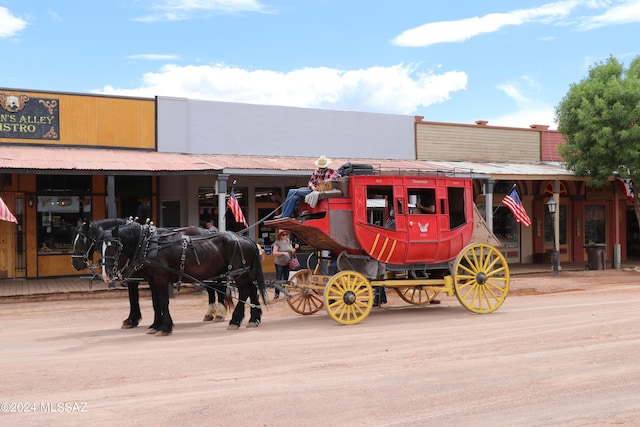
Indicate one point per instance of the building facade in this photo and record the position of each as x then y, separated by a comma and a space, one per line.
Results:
66, 157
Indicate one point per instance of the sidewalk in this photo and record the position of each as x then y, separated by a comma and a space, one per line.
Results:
77, 287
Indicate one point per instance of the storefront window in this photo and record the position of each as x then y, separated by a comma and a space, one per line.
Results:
268, 200
58, 217
207, 206
134, 195
241, 196
62, 202
506, 228
594, 224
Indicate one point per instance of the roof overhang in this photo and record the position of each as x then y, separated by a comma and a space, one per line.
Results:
107, 161
97, 161
512, 171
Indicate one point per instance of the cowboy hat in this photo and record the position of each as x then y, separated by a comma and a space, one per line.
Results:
281, 231
323, 162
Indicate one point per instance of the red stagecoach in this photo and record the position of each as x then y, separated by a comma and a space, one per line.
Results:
369, 230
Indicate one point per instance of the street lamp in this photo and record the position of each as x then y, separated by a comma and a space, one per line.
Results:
552, 205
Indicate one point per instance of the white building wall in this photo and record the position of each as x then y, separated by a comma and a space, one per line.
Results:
210, 127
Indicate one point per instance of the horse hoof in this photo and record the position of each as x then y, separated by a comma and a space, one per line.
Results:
207, 318
252, 324
233, 327
218, 319
151, 331
162, 333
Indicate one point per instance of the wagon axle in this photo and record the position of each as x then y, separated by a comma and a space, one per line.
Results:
482, 278
349, 297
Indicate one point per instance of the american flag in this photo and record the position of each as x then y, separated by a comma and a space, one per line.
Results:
5, 213
626, 185
235, 208
513, 202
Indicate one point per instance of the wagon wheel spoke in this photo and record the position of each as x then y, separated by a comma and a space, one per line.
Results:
481, 278
348, 297
304, 300
417, 295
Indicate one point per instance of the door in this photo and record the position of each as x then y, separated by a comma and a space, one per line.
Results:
12, 239
171, 214
563, 247
7, 231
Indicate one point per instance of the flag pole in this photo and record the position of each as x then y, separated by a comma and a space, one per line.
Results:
233, 190
508, 192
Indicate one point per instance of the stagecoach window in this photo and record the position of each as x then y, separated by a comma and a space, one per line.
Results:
457, 214
418, 197
379, 204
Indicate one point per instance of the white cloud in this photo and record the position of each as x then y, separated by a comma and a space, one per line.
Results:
528, 110
542, 115
10, 25
178, 10
626, 13
397, 89
464, 29
512, 92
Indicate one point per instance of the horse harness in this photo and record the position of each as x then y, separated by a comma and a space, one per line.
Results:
149, 244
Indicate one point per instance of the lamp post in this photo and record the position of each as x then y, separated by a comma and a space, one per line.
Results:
552, 205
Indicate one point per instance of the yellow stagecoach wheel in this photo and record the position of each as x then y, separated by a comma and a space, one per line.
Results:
304, 300
348, 297
481, 278
417, 295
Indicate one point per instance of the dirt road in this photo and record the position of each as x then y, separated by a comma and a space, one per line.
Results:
560, 352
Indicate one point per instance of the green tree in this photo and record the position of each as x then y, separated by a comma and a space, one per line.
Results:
599, 119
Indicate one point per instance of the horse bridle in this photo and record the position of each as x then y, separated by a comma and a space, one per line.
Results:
88, 255
114, 241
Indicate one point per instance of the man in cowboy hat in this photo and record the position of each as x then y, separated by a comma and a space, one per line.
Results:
322, 173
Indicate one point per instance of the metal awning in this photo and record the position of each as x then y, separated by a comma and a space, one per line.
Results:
512, 171
96, 161
106, 161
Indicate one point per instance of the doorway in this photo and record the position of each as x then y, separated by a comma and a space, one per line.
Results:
563, 247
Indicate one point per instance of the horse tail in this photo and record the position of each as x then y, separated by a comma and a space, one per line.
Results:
228, 301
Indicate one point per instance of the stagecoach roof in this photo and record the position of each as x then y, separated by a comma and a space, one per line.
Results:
107, 161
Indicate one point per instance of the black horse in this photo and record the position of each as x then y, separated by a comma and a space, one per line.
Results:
165, 258
87, 239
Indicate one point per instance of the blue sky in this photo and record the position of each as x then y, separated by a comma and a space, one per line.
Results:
508, 62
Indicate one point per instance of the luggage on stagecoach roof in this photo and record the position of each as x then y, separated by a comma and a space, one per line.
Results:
349, 169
